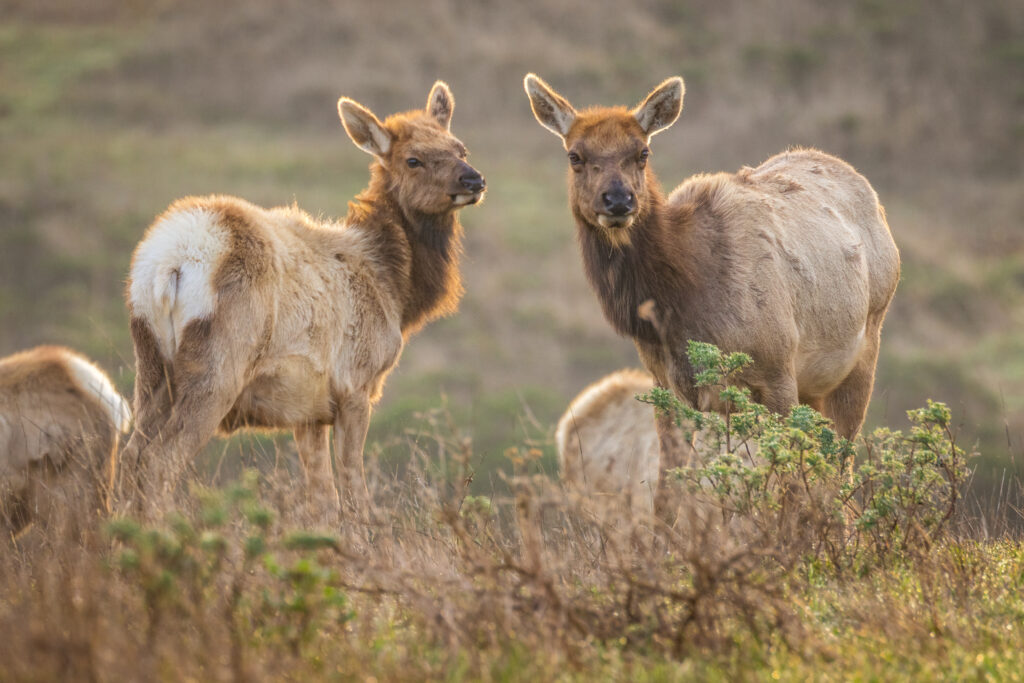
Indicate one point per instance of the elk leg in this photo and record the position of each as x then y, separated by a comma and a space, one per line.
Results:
350, 428
780, 394
209, 374
152, 410
674, 454
193, 424
848, 403
314, 448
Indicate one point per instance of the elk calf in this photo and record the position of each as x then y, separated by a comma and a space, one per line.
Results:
791, 262
60, 418
244, 317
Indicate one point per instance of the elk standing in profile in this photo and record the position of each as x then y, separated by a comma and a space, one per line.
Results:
244, 317
60, 418
791, 262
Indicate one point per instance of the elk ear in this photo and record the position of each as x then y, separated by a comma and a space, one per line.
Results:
661, 108
441, 104
551, 109
364, 128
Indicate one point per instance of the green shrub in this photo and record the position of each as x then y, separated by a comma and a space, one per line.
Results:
774, 471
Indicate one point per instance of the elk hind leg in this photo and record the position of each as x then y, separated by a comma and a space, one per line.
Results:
209, 374
152, 411
847, 405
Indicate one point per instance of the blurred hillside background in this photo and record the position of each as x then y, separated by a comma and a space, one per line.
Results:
111, 110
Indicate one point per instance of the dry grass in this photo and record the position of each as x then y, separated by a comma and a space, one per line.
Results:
439, 584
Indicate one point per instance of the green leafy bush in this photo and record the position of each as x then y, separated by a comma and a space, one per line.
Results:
794, 477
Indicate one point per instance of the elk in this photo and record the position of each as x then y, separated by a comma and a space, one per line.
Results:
608, 443
244, 317
606, 440
791, 262
60, 418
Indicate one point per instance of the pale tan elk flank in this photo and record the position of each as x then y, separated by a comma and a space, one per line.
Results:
608, 445
60, 418
791, 262
244, 317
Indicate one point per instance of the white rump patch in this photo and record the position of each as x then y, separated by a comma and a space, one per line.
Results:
172, 273
96, 382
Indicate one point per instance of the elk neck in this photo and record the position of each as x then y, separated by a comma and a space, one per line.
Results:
652, 264
418, 253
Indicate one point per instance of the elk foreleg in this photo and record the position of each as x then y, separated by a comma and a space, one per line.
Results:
350, 427
675, 453
313, 443
780, 394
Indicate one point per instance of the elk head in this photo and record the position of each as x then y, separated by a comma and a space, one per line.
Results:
425, 164
608, 150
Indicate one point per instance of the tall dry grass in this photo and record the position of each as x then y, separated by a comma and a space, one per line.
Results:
540, 584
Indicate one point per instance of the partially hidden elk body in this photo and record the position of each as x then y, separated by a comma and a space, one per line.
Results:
60, 419
244, 317
791, 262
609, 447
607, 443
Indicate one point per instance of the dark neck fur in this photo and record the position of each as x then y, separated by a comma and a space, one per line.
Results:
419, 253
651, 266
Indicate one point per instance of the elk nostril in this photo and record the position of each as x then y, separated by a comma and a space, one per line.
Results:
472, 181
618, 203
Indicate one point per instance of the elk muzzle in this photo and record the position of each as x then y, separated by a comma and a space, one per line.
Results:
617, 206
471, 186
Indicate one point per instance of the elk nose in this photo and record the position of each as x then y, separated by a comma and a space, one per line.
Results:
472, 181
618, 202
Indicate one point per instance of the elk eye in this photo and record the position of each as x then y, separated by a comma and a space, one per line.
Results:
575, 159
413, 162
644, 154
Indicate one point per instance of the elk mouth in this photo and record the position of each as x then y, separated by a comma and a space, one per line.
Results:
608, 221
466, 198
